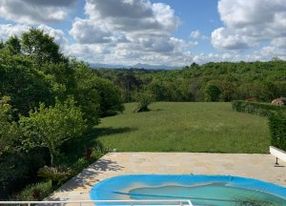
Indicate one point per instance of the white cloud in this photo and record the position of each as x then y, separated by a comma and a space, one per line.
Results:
250, 24
7, 30
127, 32
132, 15
35, 11
196, 34
86, 31
222, 38
59, 35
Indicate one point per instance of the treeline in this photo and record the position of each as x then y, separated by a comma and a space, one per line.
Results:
224, 81
48, 102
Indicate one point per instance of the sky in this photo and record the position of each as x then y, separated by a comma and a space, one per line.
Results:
155, 32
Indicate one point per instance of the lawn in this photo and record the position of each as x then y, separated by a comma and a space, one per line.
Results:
185, 127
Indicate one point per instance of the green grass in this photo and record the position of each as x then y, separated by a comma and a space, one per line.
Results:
185, 127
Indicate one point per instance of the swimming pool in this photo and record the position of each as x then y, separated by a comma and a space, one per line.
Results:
200, 189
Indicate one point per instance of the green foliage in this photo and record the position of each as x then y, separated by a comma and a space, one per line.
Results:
9, 131
39, 120
97, 97
35, 192
2, 44
129, 84
277, 125
51, 126
23, 83
40, 46
55, 174
19, 168
262, 109
13, 45
212, 93
144, 100
276, 119
263, 81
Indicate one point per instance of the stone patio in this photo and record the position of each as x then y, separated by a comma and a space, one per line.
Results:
259, 166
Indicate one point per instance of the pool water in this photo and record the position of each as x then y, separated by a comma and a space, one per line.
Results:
210, 194
200, 189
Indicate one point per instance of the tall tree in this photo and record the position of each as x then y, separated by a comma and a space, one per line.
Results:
41, 47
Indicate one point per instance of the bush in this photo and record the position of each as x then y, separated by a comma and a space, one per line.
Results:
55, 174
277, 125
144, 100
262, 109
51, 126
212, 93
35, 192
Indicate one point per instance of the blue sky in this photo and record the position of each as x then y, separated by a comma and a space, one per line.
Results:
171, 32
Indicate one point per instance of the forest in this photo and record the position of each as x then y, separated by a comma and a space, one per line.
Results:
223, 81
50, 104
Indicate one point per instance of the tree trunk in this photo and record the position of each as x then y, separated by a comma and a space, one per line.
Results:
52, 158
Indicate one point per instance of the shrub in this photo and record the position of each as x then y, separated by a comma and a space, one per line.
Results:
35, 192
277, 125
55, 174
212, 93
144, 100
263, 109
51, 126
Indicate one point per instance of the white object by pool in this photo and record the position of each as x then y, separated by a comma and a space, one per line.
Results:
278, 153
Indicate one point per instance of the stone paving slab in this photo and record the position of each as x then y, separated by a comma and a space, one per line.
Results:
259, 166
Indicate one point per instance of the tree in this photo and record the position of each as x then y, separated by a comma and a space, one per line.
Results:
13, 45
41, 47
20, 80
128, 83
144, 100
96, 96
1, 44
8, 129
212, 93
51, 126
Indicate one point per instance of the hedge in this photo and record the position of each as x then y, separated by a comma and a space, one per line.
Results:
262, 109
277, 126
276, 119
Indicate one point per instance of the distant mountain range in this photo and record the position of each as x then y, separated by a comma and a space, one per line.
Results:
137, 66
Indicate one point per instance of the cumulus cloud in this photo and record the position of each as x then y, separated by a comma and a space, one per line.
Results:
129, 31
250, 24
7, 30
35, 11
86, 31
132, 15
223, 38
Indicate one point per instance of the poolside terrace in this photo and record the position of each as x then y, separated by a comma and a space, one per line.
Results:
259, 166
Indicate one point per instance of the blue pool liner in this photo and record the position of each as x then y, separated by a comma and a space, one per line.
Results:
108, 188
